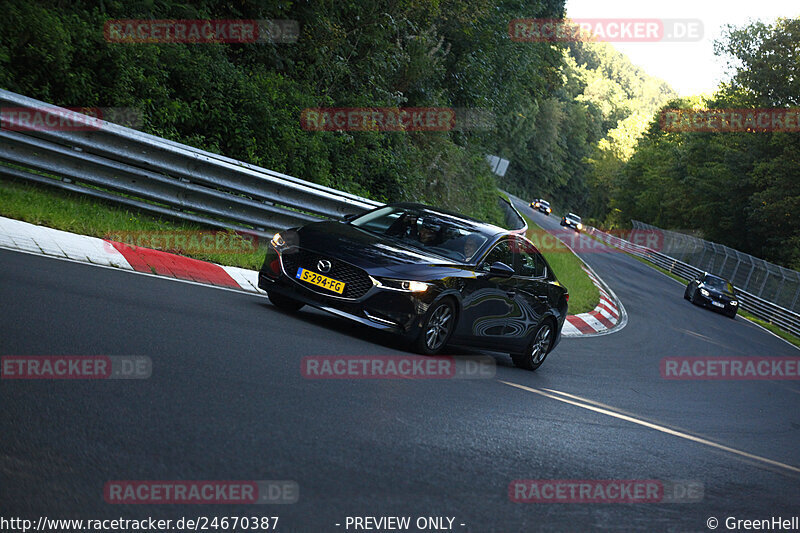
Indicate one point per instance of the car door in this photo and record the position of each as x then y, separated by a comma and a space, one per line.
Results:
488, 301
530, 294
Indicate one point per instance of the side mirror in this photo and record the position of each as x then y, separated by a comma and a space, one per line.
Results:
501, 269
349, 217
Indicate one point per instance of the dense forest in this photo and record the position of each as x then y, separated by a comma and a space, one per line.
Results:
578, 121
741, 189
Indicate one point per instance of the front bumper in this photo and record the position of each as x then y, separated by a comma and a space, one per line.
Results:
385, 309
717, 304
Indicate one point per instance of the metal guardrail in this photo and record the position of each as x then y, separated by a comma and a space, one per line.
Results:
127, 166
771, 312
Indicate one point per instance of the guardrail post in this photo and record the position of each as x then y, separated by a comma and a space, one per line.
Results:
735, 269
763, 283
749, 274
780, 286
796, 295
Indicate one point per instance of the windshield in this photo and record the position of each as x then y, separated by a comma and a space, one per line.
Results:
718, 284
431, 231
574, 217
545, 203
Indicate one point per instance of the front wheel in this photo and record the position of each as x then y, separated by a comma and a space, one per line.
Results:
284, 303
693, 298
732, 314
537, 350
436, 329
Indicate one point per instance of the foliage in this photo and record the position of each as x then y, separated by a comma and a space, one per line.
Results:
245, 100
738, 188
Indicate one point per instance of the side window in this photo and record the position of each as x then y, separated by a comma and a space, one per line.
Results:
501, 252
528, 261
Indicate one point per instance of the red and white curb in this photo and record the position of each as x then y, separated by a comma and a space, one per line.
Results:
18, 235
609, 315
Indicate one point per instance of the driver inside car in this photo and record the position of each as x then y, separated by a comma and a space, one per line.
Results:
429, 232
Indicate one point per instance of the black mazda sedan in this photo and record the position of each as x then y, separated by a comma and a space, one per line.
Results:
432, 276
712, 291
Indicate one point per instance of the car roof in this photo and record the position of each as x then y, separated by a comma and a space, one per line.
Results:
573, 215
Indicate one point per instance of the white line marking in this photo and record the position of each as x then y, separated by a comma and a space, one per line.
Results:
650, 425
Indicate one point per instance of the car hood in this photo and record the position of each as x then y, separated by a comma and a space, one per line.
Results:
366, 250
717, 293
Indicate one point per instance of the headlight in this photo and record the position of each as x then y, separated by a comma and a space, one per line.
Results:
579, 226
548, 210
734, 302
704, 292
415, 286
277, 241
403, 285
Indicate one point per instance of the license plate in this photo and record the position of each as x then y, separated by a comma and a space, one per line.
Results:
320, 280
717, 304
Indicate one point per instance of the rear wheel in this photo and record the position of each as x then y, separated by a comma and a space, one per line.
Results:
436, 329
284, 303
538, 348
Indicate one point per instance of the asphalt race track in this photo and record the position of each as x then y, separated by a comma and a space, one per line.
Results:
227, 401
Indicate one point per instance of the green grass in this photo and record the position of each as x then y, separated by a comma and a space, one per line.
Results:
76, 213
583, 295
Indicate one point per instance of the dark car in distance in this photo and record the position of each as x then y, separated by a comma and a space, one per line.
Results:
571, 220
542, 206
714, 292
432, 276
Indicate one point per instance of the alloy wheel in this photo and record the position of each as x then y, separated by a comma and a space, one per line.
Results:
540, 344
438, 328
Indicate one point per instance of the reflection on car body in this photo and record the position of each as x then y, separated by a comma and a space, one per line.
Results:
433, 276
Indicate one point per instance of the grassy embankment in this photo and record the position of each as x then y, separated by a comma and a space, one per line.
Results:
583, 295
87, 216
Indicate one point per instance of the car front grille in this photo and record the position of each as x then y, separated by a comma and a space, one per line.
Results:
356, 281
